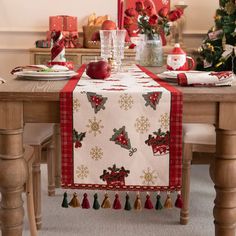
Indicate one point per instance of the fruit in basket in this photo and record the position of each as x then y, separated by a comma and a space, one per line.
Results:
98, 70
108, 25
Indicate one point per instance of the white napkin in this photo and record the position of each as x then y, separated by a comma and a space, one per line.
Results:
210, 78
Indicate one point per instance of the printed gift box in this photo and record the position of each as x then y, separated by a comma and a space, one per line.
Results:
55, 23
63, 23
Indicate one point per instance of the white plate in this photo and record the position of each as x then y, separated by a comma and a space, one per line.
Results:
34, 75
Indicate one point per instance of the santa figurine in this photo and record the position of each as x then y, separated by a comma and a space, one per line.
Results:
178, 60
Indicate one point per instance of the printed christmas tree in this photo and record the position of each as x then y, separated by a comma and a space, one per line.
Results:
217, 52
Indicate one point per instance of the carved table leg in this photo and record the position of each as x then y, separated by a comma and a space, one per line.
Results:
223, 174
57, 155
13, 169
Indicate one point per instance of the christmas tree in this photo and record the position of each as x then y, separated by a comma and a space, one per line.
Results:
217, 52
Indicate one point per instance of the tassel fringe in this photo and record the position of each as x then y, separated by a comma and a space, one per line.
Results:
168, 203
137, 203
65, 201
127, 203
179, 201
85, 202
106, 202
158, 202
116, 203
148, 203
96, 204
74, 201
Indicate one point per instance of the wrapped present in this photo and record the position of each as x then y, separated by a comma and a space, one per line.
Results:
71, 39
43, 44
70, 23
56, 23
89, 31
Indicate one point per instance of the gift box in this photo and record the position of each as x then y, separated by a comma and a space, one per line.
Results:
88, 32
43, 44
56, 23
71, 38
70, 23
63, 23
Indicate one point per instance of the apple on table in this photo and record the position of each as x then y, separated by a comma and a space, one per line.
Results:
98, 70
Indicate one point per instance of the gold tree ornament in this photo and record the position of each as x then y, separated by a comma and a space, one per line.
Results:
230, 7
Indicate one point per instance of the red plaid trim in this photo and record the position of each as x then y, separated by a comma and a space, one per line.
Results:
175, 129
66, 117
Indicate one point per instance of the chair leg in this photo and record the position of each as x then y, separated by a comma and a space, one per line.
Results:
187, 157
57, 153
30, 203
51, 170
37, 186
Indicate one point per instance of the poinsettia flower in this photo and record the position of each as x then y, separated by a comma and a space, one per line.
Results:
153, 20
130, 12
139, 7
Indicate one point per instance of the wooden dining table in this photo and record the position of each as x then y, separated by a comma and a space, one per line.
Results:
28, 101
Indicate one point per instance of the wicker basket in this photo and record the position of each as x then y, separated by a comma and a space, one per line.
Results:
88, 32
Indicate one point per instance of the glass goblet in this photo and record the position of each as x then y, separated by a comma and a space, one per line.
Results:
106, 44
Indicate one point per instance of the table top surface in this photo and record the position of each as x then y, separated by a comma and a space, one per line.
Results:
19, 89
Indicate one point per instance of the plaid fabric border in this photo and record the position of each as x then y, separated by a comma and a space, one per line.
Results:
175, 130
66, 123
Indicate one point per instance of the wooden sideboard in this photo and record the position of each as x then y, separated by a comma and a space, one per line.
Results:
84, 55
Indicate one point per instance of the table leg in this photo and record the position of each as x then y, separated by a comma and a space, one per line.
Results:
13, 169
223, 174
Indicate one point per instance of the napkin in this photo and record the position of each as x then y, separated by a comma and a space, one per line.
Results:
210, 78
39, 68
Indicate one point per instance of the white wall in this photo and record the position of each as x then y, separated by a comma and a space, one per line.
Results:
24, 22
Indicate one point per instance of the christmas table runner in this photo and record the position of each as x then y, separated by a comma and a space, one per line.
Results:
122, 133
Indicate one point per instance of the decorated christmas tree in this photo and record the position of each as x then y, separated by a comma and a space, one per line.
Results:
217, 52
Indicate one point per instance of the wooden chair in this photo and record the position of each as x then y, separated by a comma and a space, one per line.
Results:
29, 159
40, 137
198, 148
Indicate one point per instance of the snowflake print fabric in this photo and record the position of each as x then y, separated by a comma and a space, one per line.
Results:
122, 132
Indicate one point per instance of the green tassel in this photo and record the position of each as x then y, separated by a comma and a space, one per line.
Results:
158, 203
127, 203
65, 201
96, 204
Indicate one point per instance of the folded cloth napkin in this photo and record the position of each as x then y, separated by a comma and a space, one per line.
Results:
210, 78
54, 68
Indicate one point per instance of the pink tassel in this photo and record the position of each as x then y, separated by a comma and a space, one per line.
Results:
85, 203
116, 203
148, 203
179, 201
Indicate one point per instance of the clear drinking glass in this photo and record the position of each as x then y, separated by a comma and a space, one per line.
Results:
118, 37
106, 44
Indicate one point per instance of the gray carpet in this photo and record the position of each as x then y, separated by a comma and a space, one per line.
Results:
59, 221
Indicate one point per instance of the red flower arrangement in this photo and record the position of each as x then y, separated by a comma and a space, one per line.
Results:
145, 20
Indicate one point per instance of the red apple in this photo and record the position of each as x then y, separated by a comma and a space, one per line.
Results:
98, 70
108, 25
95, 36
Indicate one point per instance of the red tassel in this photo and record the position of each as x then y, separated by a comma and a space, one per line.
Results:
85, 203
148, 203
116, 203
179, 201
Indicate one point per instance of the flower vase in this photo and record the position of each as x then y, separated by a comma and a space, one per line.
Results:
150, 51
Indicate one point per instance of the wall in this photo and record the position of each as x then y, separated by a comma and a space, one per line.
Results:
24, 22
